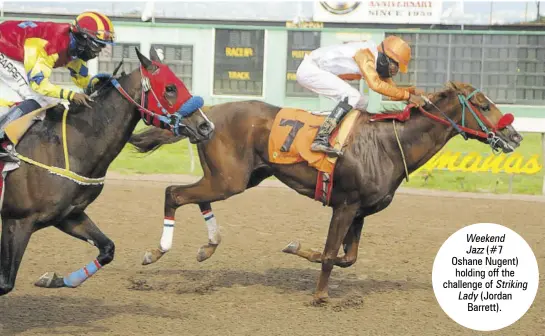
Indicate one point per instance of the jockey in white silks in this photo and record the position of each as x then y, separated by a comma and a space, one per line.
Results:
325, 70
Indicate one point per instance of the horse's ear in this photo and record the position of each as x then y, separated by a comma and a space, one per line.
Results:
154, 55
145, 61
452, 85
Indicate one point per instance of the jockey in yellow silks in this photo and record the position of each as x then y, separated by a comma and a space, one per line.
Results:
30, 50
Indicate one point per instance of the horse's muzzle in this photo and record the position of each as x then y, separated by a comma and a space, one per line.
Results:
506, 140
206, 129
203, 132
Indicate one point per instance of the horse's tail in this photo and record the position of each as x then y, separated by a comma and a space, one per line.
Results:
152, 138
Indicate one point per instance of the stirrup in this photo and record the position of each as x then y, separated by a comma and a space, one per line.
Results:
9, 154
320, 147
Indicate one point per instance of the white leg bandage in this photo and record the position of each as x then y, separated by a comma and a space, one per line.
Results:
212, 226
168, 231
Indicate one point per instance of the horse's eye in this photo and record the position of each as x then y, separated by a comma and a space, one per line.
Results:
486, 107
171, 91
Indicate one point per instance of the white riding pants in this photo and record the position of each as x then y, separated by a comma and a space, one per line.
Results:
327, 84
12, 75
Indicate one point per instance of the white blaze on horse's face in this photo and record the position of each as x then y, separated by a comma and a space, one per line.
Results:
212, 127
489, 100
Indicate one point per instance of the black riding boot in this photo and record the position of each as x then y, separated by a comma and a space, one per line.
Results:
321, 141
27, 106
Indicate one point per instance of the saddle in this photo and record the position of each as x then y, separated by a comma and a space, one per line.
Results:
291, 136
17, 128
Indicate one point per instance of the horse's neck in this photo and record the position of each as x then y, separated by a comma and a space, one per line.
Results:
112, 126
422, 138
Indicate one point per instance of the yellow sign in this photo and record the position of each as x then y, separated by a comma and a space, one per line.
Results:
300, 53
291, 76
240, 75
304, 24
513, 163
239, 52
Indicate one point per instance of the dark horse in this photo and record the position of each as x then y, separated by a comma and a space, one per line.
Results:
366, 177
36, 198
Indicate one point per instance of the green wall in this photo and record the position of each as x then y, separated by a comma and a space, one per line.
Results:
202, 39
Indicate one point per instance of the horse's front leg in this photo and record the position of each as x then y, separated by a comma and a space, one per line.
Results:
341, 220
15, 237
80, 226
351, 243
203, 192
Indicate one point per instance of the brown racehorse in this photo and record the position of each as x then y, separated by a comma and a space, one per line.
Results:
35, 198
366, 176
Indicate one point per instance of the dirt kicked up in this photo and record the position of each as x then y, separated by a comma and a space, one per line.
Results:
249, 287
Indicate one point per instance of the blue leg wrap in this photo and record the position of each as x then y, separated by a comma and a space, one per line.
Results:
78, 277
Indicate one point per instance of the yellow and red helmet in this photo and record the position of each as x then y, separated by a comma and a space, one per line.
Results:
95, 26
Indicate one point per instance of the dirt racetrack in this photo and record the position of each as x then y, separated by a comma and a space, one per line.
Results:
249, 287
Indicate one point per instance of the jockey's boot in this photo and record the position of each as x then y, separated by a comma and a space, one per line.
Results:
321, 141
9, 154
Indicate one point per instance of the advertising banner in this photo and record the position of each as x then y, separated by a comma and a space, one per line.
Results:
406, 12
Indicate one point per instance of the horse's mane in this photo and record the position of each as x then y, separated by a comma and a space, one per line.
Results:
99, 93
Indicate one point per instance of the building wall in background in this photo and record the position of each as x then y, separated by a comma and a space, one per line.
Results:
225, 62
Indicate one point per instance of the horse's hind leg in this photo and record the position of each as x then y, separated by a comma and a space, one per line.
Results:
295, 248
214, 237
203, 192
204, 252
82, 227
350, 246
15, 237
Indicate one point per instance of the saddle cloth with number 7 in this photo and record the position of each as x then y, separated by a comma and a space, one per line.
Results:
293, 131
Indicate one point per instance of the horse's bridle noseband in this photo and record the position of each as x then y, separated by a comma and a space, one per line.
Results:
489, 131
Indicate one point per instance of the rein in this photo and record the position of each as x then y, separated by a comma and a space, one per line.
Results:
172, 122
462, 129
66, 172
488, 129
146, 114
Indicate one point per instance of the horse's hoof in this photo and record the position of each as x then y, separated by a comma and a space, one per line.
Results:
50, 280
292, 247
152, 256
205, 252
319, 301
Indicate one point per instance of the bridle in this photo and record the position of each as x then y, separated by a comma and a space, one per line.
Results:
488, 130
173, 121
